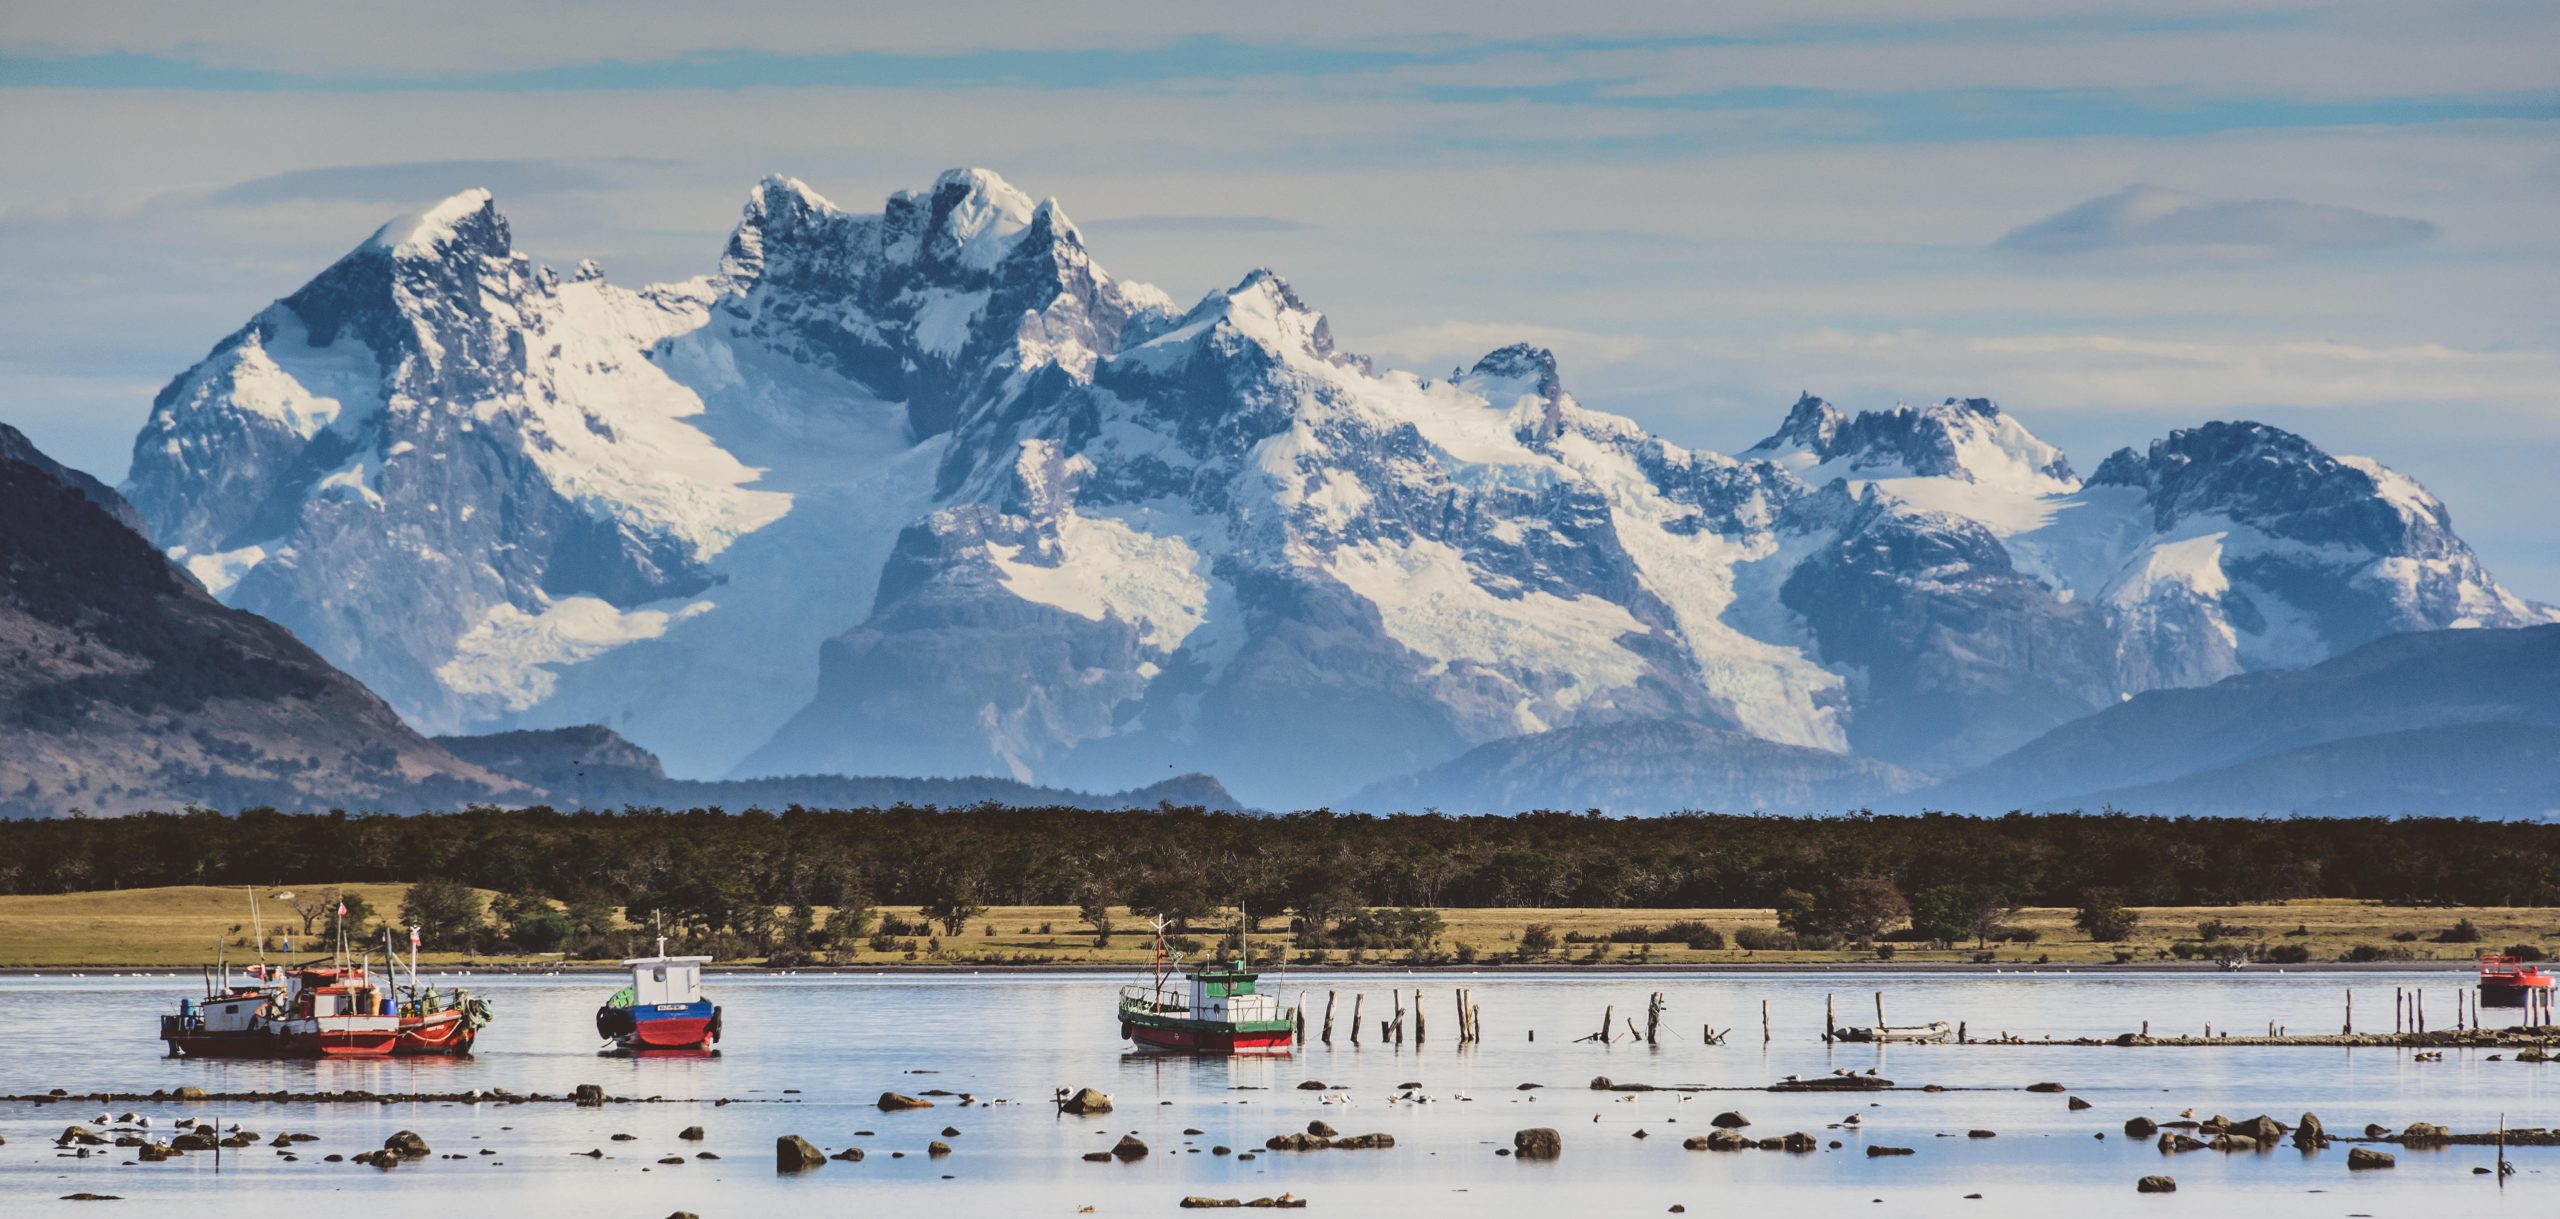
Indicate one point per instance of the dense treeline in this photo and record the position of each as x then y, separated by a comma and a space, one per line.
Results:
705, 865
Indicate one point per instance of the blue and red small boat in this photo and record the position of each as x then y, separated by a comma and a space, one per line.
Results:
663, 1010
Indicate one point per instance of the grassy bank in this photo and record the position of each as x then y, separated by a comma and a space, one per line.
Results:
181, 926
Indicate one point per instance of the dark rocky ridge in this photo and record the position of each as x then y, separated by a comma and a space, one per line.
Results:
124, 686
593, 766
2446, 705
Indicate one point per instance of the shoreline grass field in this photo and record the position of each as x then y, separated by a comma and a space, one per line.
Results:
182, 926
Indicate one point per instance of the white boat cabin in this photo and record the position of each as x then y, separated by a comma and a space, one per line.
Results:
664, 980
1228, 995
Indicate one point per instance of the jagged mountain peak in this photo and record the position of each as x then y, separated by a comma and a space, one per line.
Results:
976, 217
1264, 310
467, 220
1812, 426
1965, 439
2283, 483
1523, 379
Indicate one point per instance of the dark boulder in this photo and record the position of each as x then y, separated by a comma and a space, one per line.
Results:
791, 1153
1537, 1143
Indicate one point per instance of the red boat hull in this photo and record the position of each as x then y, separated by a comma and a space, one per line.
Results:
679, 1035
445, 1034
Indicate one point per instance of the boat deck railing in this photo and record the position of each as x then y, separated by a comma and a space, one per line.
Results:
1159, 1002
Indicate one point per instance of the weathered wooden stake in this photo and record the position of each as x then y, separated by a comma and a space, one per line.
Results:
1475, 1022
1608, 1016
1653, 1019
1830, 1020
1302, 1017
2146, 1028
1417, 1015
2350, 1027
1879, 1015
1355, 1018
1328, 1017
1764, 1022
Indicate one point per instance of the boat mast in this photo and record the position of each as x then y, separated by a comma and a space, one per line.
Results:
1159, 966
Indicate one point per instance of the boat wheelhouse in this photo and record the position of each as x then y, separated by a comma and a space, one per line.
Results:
1212, 1010
663, 1009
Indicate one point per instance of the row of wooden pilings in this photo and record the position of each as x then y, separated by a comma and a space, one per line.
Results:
2408, 1015
1391, 1030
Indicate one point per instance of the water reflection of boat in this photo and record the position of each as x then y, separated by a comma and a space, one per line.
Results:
1935, 1030
1214, 1010
663, 1011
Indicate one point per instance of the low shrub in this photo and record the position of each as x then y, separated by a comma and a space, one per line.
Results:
1762, 939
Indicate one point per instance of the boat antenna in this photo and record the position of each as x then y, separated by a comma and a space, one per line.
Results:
257, 927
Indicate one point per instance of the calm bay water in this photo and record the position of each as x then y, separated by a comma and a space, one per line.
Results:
842, 1040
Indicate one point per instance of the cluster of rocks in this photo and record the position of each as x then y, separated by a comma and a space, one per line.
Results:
397, 1150
1734, 1140
1318, 1137
1285, 1202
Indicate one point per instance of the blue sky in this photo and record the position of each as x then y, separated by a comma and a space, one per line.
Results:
2115, 219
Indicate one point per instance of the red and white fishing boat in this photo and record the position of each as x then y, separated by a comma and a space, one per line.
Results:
317, 1010
308, 1011
2508, 982
1212, 1010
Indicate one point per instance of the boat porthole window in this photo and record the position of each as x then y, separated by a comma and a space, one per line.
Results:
659, 974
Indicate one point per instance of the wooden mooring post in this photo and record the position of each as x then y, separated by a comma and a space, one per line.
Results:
1653, 1019
1417, 1015
1830, 1020
1355, 1017
2349, 1028
1608, 1016
1328, 1017
1764, 1022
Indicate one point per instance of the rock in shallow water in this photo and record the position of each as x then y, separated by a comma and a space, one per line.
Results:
791, 1153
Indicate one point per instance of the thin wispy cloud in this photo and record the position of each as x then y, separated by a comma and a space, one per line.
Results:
400, 182
1200, 224
2150, 218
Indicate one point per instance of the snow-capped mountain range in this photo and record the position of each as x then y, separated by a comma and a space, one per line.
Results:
927, 491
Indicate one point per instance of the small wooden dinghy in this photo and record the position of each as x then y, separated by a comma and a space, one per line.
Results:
1935, 1030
